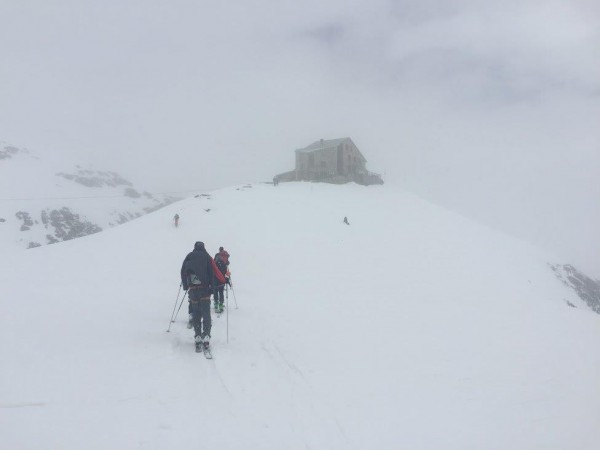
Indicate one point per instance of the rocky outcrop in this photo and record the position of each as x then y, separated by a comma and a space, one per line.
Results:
26, 218
67, 225
53, 211
586, 288
132, 193
8, 152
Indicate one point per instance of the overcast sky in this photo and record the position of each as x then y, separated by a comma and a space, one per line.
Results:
488, 108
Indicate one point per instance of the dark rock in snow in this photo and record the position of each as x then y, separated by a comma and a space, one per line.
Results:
127, 216
68, 225
586, 288
8, 152
131, 192
26, 218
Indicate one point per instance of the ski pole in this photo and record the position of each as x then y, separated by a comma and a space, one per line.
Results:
182, 299
227, 313
174, 306
234, 299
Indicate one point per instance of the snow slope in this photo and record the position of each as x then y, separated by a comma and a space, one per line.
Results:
47, 198
412, 328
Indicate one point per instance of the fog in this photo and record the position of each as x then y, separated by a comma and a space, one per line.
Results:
487, 108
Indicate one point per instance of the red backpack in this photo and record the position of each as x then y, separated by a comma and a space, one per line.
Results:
218, 274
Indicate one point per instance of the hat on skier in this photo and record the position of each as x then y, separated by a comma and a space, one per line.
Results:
220, 249
199, 245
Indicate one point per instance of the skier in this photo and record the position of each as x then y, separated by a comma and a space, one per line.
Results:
198, 276
176, 220
346, 221
222, 255
222, 263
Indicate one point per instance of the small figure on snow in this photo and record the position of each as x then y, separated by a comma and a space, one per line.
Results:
198, 276
176, 220
346, 220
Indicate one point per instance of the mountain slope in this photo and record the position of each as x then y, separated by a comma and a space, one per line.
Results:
46, 199
410, 328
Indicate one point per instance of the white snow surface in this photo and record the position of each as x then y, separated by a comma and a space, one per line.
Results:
411, 328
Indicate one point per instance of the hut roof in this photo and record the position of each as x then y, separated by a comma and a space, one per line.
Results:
322, 145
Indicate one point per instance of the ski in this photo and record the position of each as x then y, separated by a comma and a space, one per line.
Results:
206, 350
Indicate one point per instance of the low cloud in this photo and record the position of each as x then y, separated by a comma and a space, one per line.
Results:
489, 108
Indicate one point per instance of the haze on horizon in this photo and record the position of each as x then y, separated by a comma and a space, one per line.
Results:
490, 109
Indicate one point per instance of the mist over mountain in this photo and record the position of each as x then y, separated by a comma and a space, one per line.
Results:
45, 199
488, 108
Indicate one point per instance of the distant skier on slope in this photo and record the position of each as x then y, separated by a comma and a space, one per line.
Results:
346, 221
176, 220
222, 261
199, 276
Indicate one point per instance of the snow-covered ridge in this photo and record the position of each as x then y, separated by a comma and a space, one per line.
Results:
44, 200
410, 328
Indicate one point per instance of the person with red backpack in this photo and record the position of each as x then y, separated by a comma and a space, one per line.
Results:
222, 263
223, 254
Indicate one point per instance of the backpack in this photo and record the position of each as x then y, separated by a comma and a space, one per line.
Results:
223, 255
221, 264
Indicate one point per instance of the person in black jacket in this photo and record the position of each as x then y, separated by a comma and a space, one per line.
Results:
198, 278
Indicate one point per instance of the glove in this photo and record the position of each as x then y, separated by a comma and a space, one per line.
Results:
228, 281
